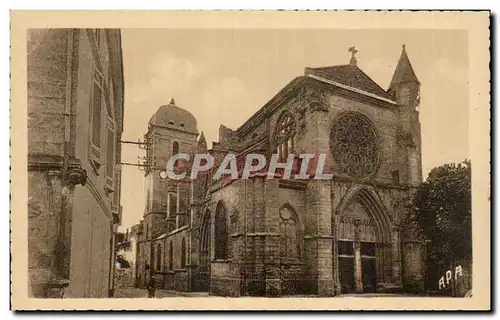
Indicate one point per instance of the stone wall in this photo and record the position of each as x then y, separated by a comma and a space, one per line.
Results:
70, 226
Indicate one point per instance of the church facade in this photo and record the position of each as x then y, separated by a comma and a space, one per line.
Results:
277, 237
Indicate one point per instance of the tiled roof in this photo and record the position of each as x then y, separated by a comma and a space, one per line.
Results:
349, 75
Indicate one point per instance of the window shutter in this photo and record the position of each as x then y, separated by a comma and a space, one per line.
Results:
110, 157
96, 121
116, 194
110, 153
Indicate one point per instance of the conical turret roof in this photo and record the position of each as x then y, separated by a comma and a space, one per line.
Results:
404, 72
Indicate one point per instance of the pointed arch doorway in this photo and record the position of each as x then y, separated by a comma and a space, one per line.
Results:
363, 244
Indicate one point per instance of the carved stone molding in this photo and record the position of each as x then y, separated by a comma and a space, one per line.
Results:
311, 99
405, 139
75, 173
396, 202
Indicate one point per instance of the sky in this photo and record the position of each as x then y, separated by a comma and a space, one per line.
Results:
223, 76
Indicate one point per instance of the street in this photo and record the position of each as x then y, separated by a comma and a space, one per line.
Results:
143, 293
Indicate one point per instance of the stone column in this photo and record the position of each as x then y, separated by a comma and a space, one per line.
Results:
319, 234
396, 257
358, 267
271, 206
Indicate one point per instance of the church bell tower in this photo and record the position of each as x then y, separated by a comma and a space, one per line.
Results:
171, 130
405, 90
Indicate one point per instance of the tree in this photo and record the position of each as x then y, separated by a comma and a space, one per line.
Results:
440, 212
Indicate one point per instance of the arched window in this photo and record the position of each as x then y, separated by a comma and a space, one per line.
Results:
285, 136
221, 235
171, 256
148, 201
158, 258
175, 148
183, 254
172, 204
289, 234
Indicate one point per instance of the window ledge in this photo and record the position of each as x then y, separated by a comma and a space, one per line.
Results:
291, 262
222, 260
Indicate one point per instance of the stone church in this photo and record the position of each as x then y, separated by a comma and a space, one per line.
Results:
276, 237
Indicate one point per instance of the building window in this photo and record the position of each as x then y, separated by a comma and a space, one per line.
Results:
172, 204
183, 254
175, 148
158, 258
354, 145
285, 136
289, 234
96, 119
221, 234
171, 256
395, 176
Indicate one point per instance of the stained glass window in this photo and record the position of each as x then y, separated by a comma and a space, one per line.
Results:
285, 135
183, 254
354, 145
171, 256
221, 234
158, 258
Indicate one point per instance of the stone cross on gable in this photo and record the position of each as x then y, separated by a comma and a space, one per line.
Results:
353, 52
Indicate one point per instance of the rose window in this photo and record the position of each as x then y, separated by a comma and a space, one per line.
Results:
354, 145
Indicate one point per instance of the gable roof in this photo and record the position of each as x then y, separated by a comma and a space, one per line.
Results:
350, 75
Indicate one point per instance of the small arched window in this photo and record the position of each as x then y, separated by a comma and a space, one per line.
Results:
158, 258
183, 254
289, 234
175, 148
221, 234
285, 136
171, 256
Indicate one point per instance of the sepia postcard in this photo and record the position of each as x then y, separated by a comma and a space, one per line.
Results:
245, 160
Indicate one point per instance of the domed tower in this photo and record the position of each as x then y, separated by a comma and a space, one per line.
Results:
171, 130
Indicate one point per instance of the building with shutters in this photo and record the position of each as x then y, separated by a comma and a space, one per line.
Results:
277, 237
75, 112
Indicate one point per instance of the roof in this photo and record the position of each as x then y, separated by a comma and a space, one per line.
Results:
171, 116
404, 71
349, 75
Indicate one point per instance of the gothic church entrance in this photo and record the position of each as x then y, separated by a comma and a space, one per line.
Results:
358, 242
